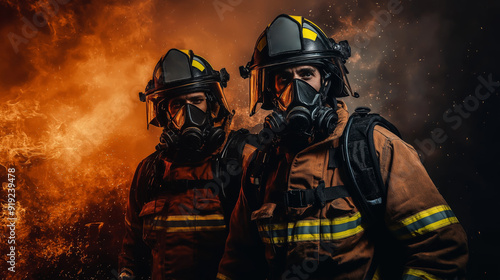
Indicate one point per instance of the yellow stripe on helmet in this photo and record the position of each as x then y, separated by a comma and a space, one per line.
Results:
185, 51
198, 65
297, 19
313, 24
262, 43
309, 34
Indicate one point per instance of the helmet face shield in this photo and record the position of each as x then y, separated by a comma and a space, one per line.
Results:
262, 83
158, 104
257, 88
262, 80
339, 84
219, 108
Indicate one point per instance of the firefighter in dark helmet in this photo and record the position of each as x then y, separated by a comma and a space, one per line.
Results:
331, 196
182, 194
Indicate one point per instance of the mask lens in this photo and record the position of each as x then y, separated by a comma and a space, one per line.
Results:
179, 118
285, 98
175, 105
150, 111
256, 88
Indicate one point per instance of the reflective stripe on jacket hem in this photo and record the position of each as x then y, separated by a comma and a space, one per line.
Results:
312, 230
184, 223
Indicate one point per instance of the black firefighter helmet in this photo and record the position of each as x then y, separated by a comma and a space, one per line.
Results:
181, 72
294, 40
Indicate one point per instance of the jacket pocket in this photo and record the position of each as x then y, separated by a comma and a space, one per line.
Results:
339, 207
151, 215
206, 203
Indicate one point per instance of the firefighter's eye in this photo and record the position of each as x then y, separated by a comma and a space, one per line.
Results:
177, 103
196, 100
307, 74
282, 79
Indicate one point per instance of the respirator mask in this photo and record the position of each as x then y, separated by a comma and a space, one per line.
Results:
300, 115
190, 136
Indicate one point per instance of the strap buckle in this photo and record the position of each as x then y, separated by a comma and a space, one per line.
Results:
295, 198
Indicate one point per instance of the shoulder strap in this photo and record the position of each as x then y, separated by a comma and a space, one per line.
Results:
235, 143
362, 165
227, 167
154, 170
256, 177
229, 161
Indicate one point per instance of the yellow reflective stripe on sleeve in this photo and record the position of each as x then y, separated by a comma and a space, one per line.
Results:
424, 222
262, 43
222, 277
417, 274
423, 214
198, 65
309, 34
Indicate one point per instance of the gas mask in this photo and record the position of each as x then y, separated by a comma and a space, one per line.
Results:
190, 137
301, 115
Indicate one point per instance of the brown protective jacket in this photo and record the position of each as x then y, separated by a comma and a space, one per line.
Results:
332, 242
180, 233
